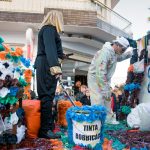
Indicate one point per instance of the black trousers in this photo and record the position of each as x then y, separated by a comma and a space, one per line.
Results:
46, 86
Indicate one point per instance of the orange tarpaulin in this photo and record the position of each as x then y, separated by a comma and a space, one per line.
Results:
63, 106
32, 117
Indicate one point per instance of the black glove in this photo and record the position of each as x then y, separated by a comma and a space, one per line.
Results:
66, 56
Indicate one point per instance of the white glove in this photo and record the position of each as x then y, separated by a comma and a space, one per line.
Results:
130, 50
138, 66
55, 70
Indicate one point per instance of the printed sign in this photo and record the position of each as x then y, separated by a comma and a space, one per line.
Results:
85, 133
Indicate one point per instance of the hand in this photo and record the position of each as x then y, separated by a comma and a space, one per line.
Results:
65, 56
55, 70
131, 50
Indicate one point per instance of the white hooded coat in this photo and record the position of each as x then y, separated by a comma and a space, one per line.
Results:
100, 73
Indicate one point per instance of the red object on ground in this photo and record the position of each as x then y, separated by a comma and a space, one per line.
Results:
133, 130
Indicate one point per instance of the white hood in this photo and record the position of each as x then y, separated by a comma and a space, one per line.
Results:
107, 45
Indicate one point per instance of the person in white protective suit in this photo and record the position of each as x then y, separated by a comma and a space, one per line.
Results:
102, 69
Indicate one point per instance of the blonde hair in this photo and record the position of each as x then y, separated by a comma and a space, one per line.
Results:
54, 18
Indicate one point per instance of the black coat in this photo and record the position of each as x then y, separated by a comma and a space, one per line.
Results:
49, 50
85, 101
49, 45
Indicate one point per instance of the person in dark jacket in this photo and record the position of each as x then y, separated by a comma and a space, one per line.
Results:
81, 93
48, 68
85, 100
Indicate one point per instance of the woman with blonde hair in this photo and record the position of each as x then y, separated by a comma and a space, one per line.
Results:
48, 68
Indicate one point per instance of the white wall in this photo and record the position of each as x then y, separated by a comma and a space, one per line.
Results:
13, 37
38, 6
17, 39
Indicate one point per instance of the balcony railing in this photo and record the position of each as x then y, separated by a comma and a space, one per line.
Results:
37, 6
111, 17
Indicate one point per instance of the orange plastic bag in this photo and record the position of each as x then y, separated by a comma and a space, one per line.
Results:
107, 145
62, 107
32, 116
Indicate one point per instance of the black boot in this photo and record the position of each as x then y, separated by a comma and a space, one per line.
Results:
49, 135
47, 120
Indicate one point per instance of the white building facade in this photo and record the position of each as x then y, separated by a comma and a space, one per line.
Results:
88, 25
